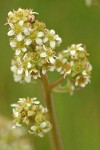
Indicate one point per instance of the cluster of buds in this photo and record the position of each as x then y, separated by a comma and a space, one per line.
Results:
30, 112
74, 65
13, 139
33, 44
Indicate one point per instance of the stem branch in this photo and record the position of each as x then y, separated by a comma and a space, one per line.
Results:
57, 82
55, 137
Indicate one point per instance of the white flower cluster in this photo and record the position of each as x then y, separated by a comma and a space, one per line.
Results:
74, 65
32, 64
28, 35
11, 139
29, 111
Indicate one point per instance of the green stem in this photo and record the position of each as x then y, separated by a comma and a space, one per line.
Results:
57, 82
55, 137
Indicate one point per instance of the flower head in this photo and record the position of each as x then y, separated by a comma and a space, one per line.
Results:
33, 44
29, 111
74, 65
32, 65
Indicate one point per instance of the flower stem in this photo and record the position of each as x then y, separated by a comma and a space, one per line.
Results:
55, 138
57, 82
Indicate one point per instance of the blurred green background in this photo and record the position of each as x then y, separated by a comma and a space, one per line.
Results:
78, 115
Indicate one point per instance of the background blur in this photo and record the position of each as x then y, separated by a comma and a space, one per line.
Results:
78, 115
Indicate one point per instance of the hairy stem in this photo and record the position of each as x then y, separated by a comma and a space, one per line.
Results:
55, 137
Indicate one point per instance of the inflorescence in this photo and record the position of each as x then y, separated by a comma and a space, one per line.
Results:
34, 51
34, 54
33, 44
29, 112
74, 65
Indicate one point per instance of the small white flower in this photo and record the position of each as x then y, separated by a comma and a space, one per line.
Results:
52, 44
40, 34
39, 41
11, 32
82, 81
43, 54
19, 37
13, 44
28, 41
